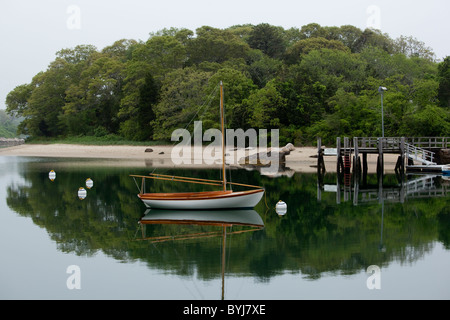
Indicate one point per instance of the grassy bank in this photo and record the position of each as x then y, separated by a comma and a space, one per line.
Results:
94, 140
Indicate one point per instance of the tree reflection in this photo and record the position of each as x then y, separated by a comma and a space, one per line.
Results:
314, 237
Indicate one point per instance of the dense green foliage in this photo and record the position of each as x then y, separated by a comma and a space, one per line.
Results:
308, 82
8, 125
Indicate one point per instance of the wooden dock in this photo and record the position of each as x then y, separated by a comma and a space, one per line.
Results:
410, 151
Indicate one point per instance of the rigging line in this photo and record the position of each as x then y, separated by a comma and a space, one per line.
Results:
137, 230
207, 103
183, 282
208, 100
265, 200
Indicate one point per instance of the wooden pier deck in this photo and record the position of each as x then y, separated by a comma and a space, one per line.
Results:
347, 152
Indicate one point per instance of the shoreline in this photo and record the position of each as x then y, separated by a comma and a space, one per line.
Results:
301, 159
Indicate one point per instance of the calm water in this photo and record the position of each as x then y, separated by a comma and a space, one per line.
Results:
51, 241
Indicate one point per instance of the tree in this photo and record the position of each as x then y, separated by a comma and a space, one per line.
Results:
163, 54
183, 95
94, 101
76, 55
138, 125
380, 64
121, 49
349, 36
303, 47
263, 69
237, 87
182, 35
312, 30
264, 107
444, 83
42, 117
334, 69
242, 31
8, 125
373, 38
268, 39
17, 100
215, 45
411, 47
431, 121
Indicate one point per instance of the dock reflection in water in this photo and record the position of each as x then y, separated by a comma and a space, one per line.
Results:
413, 186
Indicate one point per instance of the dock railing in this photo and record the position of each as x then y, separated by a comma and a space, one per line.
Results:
374, 142
420, 154
395, 142
429, 142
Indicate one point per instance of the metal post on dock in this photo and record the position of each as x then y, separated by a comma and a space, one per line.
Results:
380, 162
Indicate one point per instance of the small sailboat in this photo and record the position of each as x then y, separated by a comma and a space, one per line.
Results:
225, 198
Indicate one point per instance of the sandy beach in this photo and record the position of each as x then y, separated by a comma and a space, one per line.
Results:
301, 159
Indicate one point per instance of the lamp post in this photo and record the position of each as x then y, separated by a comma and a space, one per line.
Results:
381, 90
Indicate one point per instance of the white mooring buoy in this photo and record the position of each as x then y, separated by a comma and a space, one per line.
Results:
281, 208
82, 193
89, 183
52, 175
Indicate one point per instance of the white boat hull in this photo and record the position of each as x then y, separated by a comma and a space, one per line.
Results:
235, 200
245, 217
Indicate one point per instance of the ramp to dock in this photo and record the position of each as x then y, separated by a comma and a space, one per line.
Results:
419, 154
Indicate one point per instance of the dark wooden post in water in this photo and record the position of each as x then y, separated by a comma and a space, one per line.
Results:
320, 160
365, 169
400, 165
356, 158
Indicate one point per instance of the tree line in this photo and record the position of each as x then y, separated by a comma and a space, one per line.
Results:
309, 82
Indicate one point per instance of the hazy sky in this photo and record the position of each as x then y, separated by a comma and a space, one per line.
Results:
32, 31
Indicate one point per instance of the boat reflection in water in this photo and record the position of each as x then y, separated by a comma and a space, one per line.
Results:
250, 220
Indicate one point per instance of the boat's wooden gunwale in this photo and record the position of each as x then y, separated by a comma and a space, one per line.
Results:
204, 195
191, 180
200, 223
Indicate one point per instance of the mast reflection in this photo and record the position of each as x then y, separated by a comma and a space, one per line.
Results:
249, 220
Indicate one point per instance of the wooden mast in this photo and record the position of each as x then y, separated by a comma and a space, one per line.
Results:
223, 137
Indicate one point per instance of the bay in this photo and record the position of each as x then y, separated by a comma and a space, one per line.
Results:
322, 248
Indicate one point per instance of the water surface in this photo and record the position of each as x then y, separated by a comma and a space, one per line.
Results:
321, 249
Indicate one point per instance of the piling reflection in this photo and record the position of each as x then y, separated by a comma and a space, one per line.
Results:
412, 186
